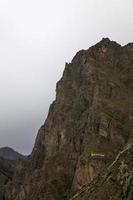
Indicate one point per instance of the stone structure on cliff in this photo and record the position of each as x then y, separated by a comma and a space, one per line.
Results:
89, 122
117, 181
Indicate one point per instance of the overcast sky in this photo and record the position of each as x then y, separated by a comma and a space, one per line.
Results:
37, 37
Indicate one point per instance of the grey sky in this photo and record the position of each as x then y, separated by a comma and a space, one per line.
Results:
36, 38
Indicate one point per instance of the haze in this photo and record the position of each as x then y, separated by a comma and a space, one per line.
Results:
37, 37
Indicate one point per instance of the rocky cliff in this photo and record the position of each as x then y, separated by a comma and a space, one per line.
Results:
89, 122
116, 183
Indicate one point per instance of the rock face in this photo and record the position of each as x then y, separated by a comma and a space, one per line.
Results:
10, 154
116, 183
88, 124
7, 169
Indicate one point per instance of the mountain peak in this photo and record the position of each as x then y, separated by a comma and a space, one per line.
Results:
106, 40
107, 43
89, 122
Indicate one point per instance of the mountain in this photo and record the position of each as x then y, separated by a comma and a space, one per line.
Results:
8, 160
9, 154
88, 125
7, 169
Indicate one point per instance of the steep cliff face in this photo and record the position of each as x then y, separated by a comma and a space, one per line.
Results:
116, 183
88, 124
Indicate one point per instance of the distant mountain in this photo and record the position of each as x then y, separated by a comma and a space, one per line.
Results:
7, 169
8, 160
9, 154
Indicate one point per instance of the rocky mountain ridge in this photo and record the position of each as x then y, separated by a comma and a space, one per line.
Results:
10, 154
88, 124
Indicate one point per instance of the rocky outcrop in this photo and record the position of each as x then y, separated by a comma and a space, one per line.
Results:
88, 124
116, 183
